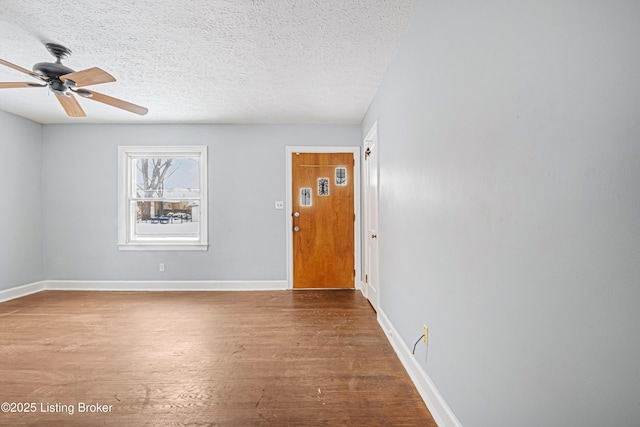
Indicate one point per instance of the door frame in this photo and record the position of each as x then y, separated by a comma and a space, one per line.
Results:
371, 138
357, 244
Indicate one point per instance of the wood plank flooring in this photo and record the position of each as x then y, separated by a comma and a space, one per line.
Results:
277, 358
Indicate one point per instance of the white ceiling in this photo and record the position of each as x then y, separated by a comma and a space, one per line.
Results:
207, 61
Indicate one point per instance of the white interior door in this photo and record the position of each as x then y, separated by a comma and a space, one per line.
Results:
371, 217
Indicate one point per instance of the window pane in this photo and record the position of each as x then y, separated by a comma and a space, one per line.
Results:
305, 197
164, 218
341, 176
167, 178
323, 186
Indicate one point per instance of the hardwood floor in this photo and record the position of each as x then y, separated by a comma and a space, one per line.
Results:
278, 358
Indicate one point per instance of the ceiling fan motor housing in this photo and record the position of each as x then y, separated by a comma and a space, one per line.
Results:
52, 70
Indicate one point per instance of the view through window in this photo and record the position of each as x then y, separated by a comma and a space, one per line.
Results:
163, 198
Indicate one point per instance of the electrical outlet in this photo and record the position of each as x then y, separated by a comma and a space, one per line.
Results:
162, 266
279, 204
425, 332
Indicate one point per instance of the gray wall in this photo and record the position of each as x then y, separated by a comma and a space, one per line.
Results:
510, 207
21, 201
246, 175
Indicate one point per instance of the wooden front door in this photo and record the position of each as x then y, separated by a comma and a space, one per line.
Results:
323, 220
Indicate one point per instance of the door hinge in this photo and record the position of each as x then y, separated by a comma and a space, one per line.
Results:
366, 278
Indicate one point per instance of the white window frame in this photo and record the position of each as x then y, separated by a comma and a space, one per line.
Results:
127, 240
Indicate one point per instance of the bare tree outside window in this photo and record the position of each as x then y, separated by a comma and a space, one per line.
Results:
154, 173
162, 183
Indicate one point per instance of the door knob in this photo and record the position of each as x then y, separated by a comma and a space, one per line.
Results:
374, 236
296, 228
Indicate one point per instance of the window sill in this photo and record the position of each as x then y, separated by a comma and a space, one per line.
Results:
163, 247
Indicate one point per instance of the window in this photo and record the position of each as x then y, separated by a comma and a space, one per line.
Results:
341, 176
305, 197
162, 198
323, 186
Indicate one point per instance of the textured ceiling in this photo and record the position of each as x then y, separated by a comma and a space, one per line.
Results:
208, 61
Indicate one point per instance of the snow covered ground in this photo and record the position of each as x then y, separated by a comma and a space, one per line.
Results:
175, 228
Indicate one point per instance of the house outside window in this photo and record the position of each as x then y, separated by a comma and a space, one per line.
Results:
162, 198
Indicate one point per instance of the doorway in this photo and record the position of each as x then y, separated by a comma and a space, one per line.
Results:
323, 236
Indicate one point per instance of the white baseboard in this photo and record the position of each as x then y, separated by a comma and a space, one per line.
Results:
361, 287
21, 291
110, 285
439, 409
188, 285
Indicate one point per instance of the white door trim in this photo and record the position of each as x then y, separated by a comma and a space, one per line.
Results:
289, 150
370, 139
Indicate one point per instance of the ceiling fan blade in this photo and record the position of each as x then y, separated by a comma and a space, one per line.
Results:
71, 106
10, 85
22, 70
90, 76
114, 102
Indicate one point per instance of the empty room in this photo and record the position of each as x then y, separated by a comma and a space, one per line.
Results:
304, 213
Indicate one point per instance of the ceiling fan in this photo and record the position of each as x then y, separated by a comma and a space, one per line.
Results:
64, 82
